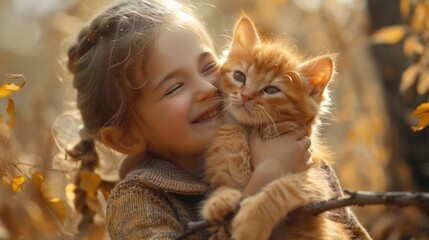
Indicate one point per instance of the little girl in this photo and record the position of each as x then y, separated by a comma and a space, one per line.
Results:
146, 77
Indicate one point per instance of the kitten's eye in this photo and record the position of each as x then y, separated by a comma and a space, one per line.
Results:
271, 90
239, 76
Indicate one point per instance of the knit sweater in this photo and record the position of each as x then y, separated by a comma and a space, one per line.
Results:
157, 199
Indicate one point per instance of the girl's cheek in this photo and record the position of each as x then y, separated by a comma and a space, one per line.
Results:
178, 109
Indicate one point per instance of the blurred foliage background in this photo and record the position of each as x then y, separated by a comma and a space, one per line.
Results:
369, 128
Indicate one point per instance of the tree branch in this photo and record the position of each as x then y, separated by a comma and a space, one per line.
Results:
354, 198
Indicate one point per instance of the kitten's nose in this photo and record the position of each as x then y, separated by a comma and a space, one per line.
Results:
245, 98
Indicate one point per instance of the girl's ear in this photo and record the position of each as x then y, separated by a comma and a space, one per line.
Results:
245, 35
131, 143
317, 72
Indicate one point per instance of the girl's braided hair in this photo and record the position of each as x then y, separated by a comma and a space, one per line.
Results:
108, 60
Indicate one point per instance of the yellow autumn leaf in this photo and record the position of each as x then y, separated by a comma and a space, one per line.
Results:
390, 35
422, 114
17, 183
69, 192
409, 77
423, 84
37, 180
412, 44
7, 88
59, 208
89, 182
405, 8
418, 20
11, 111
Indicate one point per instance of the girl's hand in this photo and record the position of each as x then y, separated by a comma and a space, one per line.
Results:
291, 151
274, 158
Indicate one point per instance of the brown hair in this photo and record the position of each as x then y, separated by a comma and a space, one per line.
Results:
108, 60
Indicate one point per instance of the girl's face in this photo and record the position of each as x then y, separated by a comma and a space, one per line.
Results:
179, 110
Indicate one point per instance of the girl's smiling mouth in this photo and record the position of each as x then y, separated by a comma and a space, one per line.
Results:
209, 115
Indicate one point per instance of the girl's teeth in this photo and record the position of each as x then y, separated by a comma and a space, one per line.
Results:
210, 115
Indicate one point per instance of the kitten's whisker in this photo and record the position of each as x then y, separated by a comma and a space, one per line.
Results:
271, 125
227, 106
253, 130
261, 119
268, 122
213, 100
265, 121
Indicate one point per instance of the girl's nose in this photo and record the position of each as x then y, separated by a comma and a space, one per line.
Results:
206, 90
215, 79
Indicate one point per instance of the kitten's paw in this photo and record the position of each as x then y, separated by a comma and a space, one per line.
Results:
248, 224
221, 203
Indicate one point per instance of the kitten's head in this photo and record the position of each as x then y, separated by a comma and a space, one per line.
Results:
264, 82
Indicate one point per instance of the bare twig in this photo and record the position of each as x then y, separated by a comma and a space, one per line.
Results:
354, 198
360, 198
33, 166
19, 170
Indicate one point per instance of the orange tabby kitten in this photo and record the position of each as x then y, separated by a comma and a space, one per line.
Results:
268, 88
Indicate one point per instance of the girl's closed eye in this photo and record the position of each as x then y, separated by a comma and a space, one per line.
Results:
173, 89
209, 68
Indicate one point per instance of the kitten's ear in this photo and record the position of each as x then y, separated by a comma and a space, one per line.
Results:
245, 35
318, 72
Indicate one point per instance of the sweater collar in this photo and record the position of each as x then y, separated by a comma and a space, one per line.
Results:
163, 175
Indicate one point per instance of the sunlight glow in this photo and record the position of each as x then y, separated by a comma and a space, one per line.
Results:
20, 35
309, 5
315, 5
